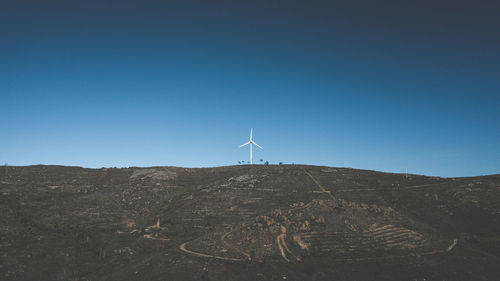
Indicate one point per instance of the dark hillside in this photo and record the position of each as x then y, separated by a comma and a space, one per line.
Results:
257, 222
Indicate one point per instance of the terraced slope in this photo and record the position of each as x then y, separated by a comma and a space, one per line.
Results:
246, 223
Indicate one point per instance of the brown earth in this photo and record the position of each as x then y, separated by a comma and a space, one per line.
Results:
257, 222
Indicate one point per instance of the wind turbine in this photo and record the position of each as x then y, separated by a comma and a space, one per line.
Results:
250, 142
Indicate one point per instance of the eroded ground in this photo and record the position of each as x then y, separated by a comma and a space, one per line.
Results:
246, 223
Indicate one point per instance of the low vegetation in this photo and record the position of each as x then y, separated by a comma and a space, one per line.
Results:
261, 222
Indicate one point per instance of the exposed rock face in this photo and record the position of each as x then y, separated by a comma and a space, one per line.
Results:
346, 229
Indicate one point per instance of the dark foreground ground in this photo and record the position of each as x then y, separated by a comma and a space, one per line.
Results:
287, 222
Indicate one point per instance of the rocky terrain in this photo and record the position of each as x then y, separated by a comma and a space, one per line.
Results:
285, 222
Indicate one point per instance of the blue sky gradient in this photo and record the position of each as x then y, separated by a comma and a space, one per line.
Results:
382, 86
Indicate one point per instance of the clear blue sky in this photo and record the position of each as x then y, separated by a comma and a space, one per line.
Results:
381, 85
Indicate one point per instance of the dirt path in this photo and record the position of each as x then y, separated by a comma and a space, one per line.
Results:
455, 242
279, 239
423, 185
319, 185
229, 245
182, 247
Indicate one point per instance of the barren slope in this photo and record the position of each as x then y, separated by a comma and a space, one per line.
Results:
246, 223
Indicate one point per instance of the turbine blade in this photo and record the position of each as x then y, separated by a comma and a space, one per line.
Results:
250, 133
245, 144
257, 145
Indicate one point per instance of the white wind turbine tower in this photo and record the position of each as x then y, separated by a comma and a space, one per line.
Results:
250, 142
